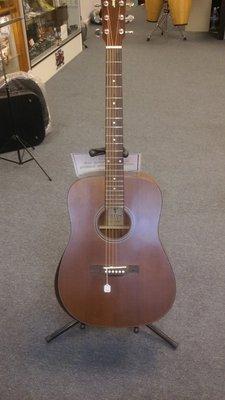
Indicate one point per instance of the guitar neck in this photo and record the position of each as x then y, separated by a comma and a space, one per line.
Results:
114, 162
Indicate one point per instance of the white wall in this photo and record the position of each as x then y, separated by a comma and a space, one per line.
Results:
200, 16
86, 7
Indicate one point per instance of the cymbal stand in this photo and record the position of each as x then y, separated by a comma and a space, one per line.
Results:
163, 22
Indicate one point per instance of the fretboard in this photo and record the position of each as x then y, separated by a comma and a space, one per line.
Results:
114, 168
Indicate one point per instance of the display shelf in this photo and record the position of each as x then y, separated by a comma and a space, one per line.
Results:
49, 24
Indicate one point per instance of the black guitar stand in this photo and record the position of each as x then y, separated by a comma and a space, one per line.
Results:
157, 331
101, 151
71, 324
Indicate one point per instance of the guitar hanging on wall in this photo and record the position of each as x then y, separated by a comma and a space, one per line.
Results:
114, 271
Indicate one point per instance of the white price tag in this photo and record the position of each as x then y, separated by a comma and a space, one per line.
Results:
107, 288
86, 165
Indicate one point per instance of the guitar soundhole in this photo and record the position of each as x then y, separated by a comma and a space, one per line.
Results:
114, 224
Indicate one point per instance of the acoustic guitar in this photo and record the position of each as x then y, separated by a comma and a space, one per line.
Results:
114, 271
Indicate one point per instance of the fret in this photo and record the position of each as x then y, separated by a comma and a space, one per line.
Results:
113, 62
114, 118
114, 87
117, 150
113, 74
120, 206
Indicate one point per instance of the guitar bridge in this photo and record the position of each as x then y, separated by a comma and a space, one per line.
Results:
113, 270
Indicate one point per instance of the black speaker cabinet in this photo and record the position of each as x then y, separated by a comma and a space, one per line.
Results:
26, 117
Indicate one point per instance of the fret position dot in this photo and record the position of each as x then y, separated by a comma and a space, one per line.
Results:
114, 188
114, 103
114, 81
108, 161
114, 179
114, 139
120, 161
113, 122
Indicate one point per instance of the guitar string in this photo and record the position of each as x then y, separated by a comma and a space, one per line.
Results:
111, 248
117, 52
109, 145
106, 156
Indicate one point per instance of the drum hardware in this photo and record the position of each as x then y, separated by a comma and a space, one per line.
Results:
162, 24
15, 136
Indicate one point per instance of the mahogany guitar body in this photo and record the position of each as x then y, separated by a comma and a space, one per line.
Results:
146, 291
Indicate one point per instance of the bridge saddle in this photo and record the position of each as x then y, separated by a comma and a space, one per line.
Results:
112, 270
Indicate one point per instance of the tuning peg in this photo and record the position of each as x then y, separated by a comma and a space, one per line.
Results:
129, 32
129, 18
98, 33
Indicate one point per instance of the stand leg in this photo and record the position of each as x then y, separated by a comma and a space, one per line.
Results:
20, 159
32, 157
71, 324
160, 333
60, 331
159, 25
182, 34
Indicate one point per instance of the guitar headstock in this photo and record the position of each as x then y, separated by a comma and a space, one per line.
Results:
113, 21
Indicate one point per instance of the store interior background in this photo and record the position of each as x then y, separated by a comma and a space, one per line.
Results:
174, 95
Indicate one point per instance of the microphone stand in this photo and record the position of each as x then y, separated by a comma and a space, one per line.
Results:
15, 136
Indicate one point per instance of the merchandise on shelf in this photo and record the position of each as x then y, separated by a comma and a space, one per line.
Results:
49, 23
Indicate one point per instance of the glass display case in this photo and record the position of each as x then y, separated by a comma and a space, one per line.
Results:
49, 24
12, 44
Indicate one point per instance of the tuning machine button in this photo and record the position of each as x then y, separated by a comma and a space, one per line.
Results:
98, 33
129, 32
